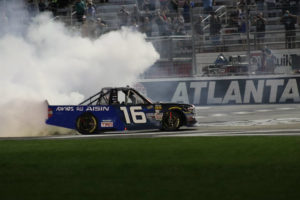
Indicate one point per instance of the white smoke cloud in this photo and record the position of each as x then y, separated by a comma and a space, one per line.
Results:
48, 61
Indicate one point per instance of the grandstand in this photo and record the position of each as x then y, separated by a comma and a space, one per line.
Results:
185, 50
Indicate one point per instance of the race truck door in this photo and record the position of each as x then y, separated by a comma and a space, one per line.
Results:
134, 111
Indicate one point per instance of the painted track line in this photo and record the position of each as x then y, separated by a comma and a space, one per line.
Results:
190, 132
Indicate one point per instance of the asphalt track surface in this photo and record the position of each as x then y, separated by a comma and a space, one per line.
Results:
235, 120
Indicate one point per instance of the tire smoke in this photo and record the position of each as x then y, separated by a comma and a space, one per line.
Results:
45, 60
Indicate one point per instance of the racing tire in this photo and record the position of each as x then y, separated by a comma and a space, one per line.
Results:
171, 121
86, 124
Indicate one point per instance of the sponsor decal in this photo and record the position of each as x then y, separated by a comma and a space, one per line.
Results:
280, 58
82, 108
158, 107
150, 115
107, 124
149, 107
65, 108
175, 107
158, 116
97, 108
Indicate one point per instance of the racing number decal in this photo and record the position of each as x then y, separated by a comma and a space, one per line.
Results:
135, 114
124, 109
138, 117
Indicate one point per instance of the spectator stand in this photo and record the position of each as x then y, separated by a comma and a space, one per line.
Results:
178, 43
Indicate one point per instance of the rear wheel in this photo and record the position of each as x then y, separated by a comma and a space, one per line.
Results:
171, 121
86, 124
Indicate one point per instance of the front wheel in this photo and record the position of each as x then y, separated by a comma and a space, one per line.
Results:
86, 124
171, 121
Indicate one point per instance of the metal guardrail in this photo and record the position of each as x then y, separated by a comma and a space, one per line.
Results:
221, 12
237, 41
228, 42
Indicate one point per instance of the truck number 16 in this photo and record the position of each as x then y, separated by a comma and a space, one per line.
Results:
138, 117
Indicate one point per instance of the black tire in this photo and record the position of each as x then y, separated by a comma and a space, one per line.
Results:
171, 121
86, 124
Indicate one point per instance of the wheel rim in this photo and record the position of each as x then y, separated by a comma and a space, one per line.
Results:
171, 121
87, 124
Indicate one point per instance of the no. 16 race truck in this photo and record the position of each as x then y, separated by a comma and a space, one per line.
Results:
120, 108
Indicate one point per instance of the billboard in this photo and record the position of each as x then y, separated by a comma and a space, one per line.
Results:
225, 90
283, 61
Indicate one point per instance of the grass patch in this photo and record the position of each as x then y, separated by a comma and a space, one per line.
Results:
165, 168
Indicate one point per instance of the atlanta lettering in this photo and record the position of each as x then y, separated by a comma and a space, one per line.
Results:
243, 91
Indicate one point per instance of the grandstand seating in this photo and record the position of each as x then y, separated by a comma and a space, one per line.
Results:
182, 47
108, 12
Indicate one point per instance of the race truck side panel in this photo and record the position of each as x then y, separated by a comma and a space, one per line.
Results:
112, 117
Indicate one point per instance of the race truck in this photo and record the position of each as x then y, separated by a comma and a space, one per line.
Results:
120, 108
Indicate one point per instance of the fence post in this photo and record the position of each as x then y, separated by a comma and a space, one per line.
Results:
194, 65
